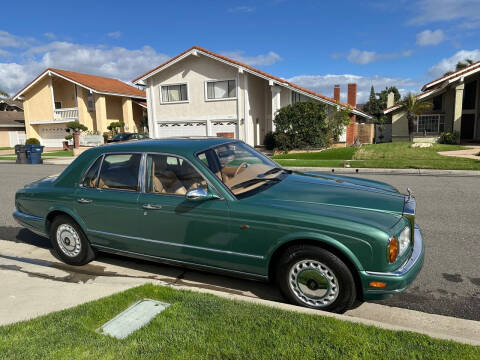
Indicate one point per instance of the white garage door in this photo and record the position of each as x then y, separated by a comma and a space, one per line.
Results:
52, 135
226, 129
172, 129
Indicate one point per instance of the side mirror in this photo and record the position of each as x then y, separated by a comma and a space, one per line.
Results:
200, 194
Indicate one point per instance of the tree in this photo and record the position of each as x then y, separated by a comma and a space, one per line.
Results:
76, 128
4, 94
308, 124
412, 108
383, 97
372, 106
115, 125
377, 102
462, 64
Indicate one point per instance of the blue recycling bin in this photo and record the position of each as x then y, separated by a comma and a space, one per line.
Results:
34, 154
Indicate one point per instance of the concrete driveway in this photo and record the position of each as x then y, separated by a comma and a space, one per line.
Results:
35, 282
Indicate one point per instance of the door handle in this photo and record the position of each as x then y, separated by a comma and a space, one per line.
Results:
84, 201
151, 207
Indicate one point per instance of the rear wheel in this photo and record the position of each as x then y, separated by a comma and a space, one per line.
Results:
69, 241
314, 277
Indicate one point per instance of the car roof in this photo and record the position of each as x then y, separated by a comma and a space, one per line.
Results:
178, 145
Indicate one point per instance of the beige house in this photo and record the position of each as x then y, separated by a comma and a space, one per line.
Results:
56, 97
455, 102
12, 128
201, 93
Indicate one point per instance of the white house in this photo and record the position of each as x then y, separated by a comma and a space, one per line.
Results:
201, 93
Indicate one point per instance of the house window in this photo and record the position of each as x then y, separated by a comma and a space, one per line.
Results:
437, 102
225, 89
58, 104
174, 93
90, 102
296, 97
430, 123
469, 95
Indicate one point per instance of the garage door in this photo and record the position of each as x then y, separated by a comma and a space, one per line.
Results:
173, 129
226, 129
52, 135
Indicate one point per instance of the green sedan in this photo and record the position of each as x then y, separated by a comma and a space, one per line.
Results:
219, 205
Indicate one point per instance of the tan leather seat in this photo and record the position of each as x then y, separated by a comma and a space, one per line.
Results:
165, 181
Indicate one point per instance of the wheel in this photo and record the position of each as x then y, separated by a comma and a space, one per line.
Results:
314, 277
69, 241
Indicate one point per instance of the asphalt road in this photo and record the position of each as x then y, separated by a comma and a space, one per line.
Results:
448, 211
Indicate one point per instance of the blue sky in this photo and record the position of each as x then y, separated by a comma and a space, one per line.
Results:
313, 43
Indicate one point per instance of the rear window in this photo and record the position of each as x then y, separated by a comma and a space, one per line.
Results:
120, 171
91, 177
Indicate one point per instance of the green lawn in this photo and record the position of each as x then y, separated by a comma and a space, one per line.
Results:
202, 326
59, 153
388, 155
6, 148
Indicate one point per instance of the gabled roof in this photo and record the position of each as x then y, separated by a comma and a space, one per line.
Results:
98, 84
12, 119
420, 96
195, 50
469, 70
10, 102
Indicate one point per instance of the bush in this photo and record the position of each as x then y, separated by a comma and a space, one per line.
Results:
308, 125
269, 141
69, 137
75, 126
32, 141
449, 138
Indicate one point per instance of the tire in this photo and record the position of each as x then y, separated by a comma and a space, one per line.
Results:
69, 242
313, 277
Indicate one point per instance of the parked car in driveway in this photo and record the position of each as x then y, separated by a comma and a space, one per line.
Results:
128, 137
219, 205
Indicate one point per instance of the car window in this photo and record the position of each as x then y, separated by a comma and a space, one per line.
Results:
91, 177
120, 171
171, 175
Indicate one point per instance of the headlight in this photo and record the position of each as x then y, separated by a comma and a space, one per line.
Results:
404, 240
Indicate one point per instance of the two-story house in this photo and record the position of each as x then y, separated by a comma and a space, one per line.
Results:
12, 123
455, 99
56, 97
201, 93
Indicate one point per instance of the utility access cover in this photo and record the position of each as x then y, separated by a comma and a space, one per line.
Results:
133, 318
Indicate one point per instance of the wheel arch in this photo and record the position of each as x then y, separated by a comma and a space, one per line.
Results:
60, 210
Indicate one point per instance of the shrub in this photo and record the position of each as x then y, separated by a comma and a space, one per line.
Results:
116, 125
269, 141
32, 141
75, 126
449, 137
305, 125
69, 137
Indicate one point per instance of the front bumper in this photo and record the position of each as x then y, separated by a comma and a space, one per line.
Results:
33, 223
398, 280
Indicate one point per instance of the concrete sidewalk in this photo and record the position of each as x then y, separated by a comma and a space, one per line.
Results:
470, 153
35, 283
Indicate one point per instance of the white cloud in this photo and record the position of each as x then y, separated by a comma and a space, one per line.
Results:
429, 37
263, 59
4, 53
428, 11
242, 9
50, 35
324, 84
364, 57
114, 34
116, 62
448, 64
13, 41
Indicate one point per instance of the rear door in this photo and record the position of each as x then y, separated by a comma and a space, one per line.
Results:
107, 201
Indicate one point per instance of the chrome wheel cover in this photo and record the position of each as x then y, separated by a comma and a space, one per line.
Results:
313, 283
68, 240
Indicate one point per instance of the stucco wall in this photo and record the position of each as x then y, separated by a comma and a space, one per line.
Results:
64, 91
285, 97
194, 71
85, 117
399, 126
37, 105
5, 137
256, 97
114, 108
137, 116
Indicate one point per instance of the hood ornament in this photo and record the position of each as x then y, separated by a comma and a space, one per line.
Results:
410, 193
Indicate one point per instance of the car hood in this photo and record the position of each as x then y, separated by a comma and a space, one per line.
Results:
356, 199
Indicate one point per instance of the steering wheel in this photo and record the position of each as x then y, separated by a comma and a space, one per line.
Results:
243, 164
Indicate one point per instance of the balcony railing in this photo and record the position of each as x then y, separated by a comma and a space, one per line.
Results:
65, 114
430, 123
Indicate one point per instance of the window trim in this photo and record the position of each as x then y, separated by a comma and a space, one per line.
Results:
173, 102
92, 108
55, 104
205, 85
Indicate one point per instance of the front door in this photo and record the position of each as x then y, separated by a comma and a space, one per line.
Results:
467, 127
173, 227
107, 200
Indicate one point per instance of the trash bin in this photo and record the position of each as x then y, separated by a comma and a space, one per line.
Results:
21, 153
34, 153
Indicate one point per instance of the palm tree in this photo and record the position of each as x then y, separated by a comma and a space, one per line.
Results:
412, 108
463, 64
4, 94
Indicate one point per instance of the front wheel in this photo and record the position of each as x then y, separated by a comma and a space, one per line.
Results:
69, 241
314, 277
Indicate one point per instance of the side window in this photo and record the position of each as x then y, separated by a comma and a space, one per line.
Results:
171, 175
120, 171
91, 177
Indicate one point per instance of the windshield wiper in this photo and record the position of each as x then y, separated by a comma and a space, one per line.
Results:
252, 182
273, 171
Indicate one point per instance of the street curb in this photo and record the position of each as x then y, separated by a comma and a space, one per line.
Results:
469, 329
383, 171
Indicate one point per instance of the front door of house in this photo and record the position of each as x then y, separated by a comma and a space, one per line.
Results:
467, 128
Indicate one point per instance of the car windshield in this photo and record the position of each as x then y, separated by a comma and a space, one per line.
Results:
242, 169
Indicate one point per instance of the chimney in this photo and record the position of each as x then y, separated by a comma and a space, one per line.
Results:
336, 93
352, 101
352, 95
390, 99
